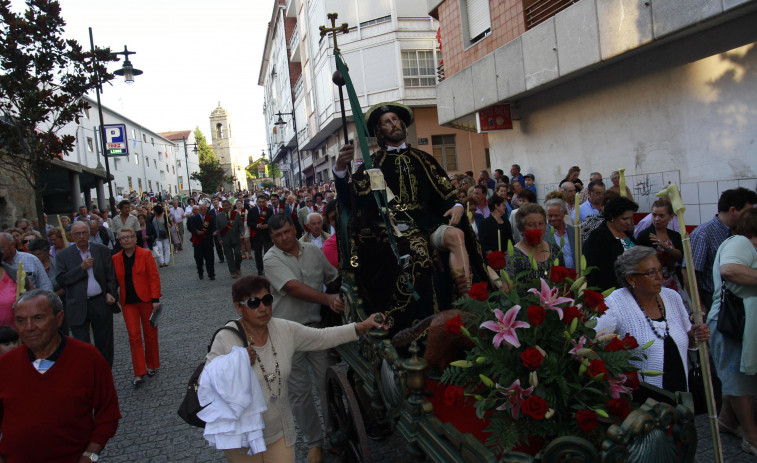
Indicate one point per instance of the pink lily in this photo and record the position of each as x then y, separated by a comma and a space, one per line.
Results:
505, 326
617, 387
515, 394
577, 346
548, 297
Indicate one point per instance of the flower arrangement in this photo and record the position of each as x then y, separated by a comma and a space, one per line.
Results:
537, 367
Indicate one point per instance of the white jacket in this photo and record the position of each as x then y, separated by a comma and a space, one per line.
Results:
235, 403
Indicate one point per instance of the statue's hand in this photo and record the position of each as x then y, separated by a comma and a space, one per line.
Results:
346, 154
454, 214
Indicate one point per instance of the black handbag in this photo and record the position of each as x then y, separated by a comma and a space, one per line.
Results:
731, 317
696, 383
190, 406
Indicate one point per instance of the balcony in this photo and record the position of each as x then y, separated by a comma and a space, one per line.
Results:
538, 11
294, 45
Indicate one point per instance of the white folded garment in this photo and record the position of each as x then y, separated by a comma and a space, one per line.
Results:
234, 403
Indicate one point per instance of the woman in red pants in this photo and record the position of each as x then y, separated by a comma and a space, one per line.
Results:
139, 284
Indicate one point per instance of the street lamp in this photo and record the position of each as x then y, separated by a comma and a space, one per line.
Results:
128, 72
281, 123
186, 156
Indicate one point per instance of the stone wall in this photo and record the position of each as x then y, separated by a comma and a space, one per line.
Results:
16, 199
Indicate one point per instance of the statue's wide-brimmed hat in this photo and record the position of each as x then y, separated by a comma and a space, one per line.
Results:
405, 113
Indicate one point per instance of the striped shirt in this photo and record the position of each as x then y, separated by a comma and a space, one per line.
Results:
705, 241
34, 269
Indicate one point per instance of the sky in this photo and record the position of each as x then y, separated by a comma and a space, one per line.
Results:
194, 53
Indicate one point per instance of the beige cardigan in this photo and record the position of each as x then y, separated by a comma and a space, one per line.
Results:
287, 338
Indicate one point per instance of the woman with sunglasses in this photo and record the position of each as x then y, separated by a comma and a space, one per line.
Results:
647, 311
272, 342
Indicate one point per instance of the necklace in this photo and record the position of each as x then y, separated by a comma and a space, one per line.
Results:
659, 336
269, 377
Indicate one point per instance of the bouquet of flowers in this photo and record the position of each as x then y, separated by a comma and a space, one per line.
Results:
537, 367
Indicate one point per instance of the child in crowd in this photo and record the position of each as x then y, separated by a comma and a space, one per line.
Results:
529, 179
8, 339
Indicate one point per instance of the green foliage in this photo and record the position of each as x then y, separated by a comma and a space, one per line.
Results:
211, 174
42, 82
268, 183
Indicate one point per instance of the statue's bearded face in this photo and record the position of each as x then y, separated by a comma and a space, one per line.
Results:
392, 128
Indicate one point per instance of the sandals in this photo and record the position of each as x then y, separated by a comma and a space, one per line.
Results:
137, 383
748, 448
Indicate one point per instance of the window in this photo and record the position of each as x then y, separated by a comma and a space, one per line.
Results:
476, 20
90, 144
86, 113
136, 158
130, 185
178, 163
173, 169
139, 182
116, 164
152, 140
445, 151
419, 68
149, 185
133, 134
219, 130
155, 161
144, 137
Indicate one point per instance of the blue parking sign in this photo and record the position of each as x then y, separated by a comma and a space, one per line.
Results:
115, 140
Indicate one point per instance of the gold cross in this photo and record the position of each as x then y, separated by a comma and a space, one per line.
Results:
344, 28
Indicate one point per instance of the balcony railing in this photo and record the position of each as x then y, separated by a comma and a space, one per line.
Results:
538, 11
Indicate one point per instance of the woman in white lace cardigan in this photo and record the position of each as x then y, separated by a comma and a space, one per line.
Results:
647, 311
272, 343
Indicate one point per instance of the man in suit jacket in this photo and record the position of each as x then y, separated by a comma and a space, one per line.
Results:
231, 229
302, 213
560, 232
85, 272
290, 209
139, 281
257, 220
202, 227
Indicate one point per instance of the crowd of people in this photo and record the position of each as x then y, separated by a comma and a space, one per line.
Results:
95, 263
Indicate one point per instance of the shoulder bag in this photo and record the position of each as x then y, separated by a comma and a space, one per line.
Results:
190, 406
731, 317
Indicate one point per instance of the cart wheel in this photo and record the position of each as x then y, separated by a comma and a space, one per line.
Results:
348, 435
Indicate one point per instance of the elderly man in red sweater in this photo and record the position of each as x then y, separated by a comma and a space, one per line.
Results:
59, 403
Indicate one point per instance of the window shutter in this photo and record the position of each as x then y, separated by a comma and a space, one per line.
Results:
478, 17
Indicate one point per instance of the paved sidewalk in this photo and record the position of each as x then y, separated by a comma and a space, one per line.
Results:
151, 430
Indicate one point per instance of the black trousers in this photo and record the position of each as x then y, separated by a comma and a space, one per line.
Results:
233, 253
260, 246
204, 252
100, 318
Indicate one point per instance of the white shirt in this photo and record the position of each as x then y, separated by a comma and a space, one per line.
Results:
93, 287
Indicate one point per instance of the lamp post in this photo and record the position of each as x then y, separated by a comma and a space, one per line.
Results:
128, 72
280, 123
186, 156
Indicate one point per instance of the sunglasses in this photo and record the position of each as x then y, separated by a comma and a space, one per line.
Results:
254, 303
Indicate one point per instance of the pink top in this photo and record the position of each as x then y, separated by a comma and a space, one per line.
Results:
330, 250
7, 298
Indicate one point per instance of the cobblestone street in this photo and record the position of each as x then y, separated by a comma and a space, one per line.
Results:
152, 431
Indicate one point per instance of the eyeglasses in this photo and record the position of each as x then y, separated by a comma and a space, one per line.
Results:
653, 273
254, 303
124, 238
29, 241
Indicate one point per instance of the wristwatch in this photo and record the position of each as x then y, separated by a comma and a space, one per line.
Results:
91, 455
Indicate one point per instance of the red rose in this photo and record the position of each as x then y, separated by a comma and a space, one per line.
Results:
535, 407
453, 395
558, 274
601, 308
533, 237
632, 380
536, 315
596, 368
453, 325
479, 291
615, 345
531, 358
587, 420
496, 260
571, 312
592, 298
630, 342
618, 407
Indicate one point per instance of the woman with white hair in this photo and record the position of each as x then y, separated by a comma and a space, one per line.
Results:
647, 311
